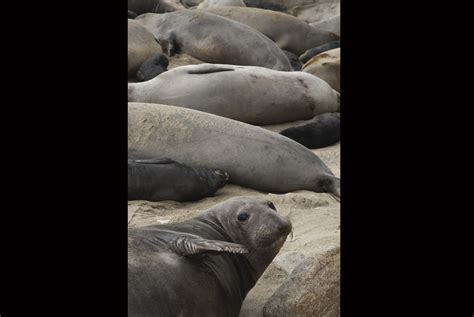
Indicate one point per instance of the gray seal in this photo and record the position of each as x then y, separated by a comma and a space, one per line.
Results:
206, 265
321, 131
254, 157
213, 39
287, 31
165, 179
250, 94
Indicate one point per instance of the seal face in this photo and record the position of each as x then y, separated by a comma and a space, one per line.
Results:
323, 130
152, 67
204, 266
165, 179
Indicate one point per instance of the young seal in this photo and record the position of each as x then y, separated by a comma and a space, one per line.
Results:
319, 49
204, 266
165, 179
152, 67
254, 157
321, 131
254, 95
213, 39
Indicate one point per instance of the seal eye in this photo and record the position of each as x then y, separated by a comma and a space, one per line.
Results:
243, 216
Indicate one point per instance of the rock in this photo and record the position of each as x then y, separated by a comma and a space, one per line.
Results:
312, 289
288, 261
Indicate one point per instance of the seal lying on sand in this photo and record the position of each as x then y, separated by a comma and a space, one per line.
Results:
321, 131
204, 266
287, 31
254, 157
213, 39
254, 95
164, 179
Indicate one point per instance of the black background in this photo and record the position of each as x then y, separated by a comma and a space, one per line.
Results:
406, 176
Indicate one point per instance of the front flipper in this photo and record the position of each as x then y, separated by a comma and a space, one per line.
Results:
189, 244
208, 69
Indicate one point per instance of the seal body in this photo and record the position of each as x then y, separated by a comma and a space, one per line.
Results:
152, 67
214, 39
221, 3
332, 24
254, 95
141, 46
317, 11
321, 131
319, 49
254, 157
287, 31
204, 266
156, 6
163, 179
327, 66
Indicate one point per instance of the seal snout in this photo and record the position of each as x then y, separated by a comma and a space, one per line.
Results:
223, 174
284, 227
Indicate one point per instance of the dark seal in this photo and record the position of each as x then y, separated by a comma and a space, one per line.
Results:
294, 60
204, 266
152, 67
165, 179
321, 131
306, 56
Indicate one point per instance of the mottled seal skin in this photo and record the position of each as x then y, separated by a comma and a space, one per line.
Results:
321, 131
214, 39
288, 32
253, 157
319, 49
204, 266
254, 95
316, 12
154, 6
141, 46
164, 179
326, 66
152, 67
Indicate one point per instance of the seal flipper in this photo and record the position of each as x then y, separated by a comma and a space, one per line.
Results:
208, 69
191, 246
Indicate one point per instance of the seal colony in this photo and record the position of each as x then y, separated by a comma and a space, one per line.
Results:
194, 129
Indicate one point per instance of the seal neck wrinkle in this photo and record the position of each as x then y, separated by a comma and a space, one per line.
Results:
247, 274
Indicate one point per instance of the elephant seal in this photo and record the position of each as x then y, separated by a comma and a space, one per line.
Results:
254, 157
152, 67
316, 50
321, 131
281, 5
214, 39
141, 46
288, 32
153, 6
316, 12
327, 66
254, 95
165, 179
206, 265
295, 62
330, 25
221, 3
